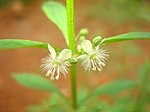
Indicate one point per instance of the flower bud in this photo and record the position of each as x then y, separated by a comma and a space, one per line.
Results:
84, 32
96, 40
79, 49
82, 38
73, 60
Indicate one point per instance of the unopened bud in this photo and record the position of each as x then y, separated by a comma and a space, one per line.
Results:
84, 32
96, 40
79, 48
73, 60
82, 38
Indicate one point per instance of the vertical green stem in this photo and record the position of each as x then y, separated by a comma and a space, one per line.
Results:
71, 35
73, 83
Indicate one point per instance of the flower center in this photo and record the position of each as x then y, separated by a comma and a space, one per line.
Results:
92, 56
57, 62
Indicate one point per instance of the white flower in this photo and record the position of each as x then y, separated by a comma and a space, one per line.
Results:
54, 65
93, 58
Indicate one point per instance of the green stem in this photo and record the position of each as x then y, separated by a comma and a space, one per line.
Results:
71, 35
73, 84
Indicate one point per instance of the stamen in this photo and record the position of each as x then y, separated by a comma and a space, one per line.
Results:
57, 77
93, 66
52, 76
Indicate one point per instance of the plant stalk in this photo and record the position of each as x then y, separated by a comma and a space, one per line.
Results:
71, 35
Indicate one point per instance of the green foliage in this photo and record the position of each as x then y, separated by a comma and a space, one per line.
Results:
127, 36
118, 11
132, 102
144, 71
110, 88
54, 103
143, 84
4, 3
27, 1
34, 81
57, 13
114, 87
16, 43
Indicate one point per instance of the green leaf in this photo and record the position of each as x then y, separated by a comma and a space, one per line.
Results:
114, 87
110, 88
15, 43
34, 108
57, 13
82, 93
127, 36
144, 71
34, 81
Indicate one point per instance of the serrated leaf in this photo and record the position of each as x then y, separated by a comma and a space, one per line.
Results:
127, 36
57, 13
114, 87
34, 81
17, 43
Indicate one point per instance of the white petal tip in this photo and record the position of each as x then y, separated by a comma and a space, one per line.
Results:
94, 69
47, 75
52, 78
57, 77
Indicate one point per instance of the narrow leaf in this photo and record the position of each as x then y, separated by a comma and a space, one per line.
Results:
34, 81
57, 13
16, 43
127, 36
110, 88
144, 71
114, 87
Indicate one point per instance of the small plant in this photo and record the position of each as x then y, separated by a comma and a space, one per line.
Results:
91, 55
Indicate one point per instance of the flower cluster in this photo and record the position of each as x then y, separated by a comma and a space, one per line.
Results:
92, 58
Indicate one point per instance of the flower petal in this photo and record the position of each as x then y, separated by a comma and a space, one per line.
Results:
87, 46
65, 54
82, 57
52, 51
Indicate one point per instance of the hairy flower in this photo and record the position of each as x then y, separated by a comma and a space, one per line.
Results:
55, 65
93, 58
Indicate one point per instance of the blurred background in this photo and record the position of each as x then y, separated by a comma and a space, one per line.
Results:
24, 19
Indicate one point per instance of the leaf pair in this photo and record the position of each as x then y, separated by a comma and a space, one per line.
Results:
17, 43
57, 13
